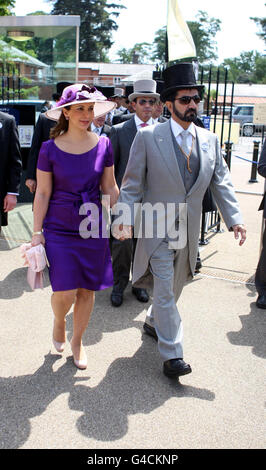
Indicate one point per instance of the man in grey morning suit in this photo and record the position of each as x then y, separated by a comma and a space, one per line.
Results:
161, 171
122, 135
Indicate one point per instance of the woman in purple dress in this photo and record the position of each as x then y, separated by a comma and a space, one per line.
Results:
73, 168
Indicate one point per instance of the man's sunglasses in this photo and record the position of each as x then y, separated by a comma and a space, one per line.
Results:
187, 99
142, 101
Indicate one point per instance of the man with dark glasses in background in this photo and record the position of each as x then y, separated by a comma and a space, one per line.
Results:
122, 135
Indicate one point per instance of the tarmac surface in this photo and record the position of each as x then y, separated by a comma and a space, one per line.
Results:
123, 400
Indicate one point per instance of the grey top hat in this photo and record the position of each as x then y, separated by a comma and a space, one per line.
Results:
119, 93
144, 88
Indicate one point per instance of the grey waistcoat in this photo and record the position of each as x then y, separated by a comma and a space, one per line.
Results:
194, 163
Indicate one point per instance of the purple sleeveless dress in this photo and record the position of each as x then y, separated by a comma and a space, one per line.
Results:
76, 262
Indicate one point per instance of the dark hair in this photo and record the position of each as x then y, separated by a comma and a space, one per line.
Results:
61, 126
56, 96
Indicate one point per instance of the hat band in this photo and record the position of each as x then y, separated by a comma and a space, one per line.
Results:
146, 92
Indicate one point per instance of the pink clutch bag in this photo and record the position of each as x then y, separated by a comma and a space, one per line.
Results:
36, 260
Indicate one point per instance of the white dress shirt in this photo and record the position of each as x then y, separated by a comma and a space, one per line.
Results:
138, 122
177, 129
95, 129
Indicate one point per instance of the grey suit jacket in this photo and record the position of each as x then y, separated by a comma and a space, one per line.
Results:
152, 175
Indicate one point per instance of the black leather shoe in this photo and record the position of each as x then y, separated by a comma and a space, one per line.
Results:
261, 301
117, 298
141, 294
150, 330
176, 367
198, 265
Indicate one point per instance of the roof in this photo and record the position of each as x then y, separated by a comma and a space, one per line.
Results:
241, 89
244, 99
20, 56
116, 69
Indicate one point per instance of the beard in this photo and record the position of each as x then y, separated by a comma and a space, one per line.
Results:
188, 116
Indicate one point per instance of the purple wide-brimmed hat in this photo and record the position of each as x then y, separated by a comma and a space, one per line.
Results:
80, 93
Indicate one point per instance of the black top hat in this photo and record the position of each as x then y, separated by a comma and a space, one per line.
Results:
129, 89
61, 85
179, 76
107, 91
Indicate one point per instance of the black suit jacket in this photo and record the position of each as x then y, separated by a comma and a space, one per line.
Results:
106, 130
41, 134
122, 136
262, 172
122, 117
10, 160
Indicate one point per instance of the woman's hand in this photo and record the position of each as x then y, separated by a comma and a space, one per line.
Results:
37, 239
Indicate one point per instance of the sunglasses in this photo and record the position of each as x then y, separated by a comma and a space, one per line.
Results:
142, 101
187, 99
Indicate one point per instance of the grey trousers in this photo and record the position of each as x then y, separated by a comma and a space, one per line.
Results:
170, 270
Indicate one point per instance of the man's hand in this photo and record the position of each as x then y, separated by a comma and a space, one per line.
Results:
10, 202
121, 232
242, 230
31, 184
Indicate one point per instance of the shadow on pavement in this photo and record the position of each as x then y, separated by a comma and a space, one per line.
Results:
15, 284
131, 385
252, 332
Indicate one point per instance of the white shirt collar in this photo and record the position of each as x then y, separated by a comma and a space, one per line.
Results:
138, 121
177, 129
93, 127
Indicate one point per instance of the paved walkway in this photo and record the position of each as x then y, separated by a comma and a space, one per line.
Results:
123, 401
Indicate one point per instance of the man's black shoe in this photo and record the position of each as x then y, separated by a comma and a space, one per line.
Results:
117, 298
141, 294
176, 367
150, 330
261, 301
198, 265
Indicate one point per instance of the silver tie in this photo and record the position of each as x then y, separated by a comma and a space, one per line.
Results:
184, 144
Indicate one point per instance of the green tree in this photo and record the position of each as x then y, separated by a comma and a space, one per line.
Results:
97, 25
203, 32
261, 22
159, 45
140, 53
249, 67
6, 7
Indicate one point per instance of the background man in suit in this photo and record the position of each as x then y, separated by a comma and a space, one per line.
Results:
10, 166
174, 162
157, 113
122, 135
41, 134
99, 127
129, 111
260, 277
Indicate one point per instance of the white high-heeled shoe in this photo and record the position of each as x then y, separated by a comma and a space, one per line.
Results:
79, 363
59, 346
